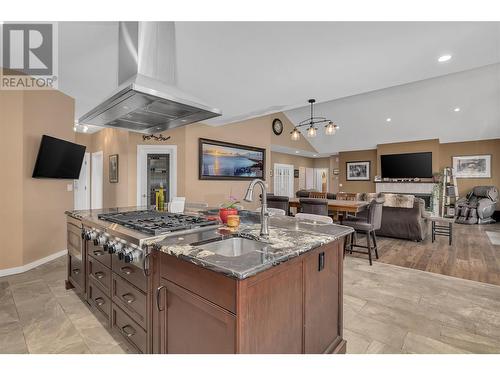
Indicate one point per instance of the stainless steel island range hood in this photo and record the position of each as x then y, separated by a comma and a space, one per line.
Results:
147, 99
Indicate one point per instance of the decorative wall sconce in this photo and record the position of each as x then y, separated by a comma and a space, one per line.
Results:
159, 138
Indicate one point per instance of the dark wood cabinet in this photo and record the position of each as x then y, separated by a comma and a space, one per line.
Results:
294, 307
322, 299
189, 323
76, 258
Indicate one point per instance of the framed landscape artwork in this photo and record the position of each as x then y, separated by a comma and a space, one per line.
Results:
113, 168
229, 161
477, 166
358, 171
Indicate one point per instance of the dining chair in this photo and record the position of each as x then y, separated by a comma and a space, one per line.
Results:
314, 206
316, 218
367, 225
279, 201
317, 194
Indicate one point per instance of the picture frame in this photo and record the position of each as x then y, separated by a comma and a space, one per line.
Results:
113, 168
357, 170
219, 160
296, 173
472, 166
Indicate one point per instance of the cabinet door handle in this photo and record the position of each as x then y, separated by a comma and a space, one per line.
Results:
76, 271
99, 301
321, 261
128, 330
127, 297
158, 291
145, 263
126, 270
99, 275
98, 253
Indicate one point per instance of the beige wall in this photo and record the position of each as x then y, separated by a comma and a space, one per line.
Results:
442, 154
32, 218
486, 147
11, 192
255, 132
357, 186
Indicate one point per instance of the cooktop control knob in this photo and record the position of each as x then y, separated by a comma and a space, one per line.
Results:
90, 235
100, 240
115, 247
132, 256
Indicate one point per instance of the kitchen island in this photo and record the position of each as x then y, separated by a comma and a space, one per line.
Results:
211, 290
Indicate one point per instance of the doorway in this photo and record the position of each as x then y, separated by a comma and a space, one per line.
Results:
283, 180
81, 187
156, 165
97, 180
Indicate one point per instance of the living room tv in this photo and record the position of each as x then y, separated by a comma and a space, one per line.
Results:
414, 165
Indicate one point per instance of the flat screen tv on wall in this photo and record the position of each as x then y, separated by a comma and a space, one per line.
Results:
58, 159
407, 165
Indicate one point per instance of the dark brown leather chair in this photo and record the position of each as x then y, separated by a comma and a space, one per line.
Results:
314, 206
279, 201
367, 225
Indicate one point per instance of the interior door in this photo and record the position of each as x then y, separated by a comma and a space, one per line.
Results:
283, 180
97, 180
82, 186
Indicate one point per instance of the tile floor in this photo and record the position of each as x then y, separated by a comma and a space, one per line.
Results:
387, 309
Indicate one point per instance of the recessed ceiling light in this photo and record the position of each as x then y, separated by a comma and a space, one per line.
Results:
297, 152
388, 119
444, 58
85, 129
457, 109
315, 155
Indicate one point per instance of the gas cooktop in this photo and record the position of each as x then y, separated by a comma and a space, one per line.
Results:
155, 222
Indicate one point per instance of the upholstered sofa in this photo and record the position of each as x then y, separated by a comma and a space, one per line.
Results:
401, 219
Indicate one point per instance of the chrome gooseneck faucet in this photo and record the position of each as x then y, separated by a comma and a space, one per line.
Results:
264, 214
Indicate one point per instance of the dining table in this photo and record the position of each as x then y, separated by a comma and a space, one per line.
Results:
337, 205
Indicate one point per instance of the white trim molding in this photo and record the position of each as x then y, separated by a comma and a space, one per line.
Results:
142, 152
29, 266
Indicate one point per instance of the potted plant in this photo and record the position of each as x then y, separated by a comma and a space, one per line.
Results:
228, 208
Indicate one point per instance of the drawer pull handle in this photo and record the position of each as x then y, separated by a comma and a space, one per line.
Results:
99, 275
128, 330
321, 261
76, 271
158, 290
127, 297
126, 270
98, 253
99, 301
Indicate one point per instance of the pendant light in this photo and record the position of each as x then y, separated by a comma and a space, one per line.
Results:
312, 131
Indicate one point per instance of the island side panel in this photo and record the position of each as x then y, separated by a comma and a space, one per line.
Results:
270, 310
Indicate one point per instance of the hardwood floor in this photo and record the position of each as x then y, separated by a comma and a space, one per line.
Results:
471, 256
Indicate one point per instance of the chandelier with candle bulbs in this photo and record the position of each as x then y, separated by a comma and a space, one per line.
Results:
311, 123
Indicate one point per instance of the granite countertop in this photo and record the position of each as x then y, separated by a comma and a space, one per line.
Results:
288, 238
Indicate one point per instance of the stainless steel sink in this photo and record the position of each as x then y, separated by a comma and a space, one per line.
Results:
233, 247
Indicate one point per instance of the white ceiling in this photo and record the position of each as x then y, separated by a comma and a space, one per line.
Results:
420, 110
252, 68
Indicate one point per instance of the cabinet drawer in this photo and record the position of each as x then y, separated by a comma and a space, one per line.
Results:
130, 299
99, 274
210, 285
99, 300
76, 273
131, 273
130, 330
98, 253
74, 239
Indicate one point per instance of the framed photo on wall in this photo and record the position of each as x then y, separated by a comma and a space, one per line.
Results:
113, 168
477, 166
358, 171
228, 161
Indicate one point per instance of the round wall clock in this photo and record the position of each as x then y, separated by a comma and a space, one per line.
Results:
277, 126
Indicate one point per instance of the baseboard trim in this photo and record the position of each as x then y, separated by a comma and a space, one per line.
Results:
29, 266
